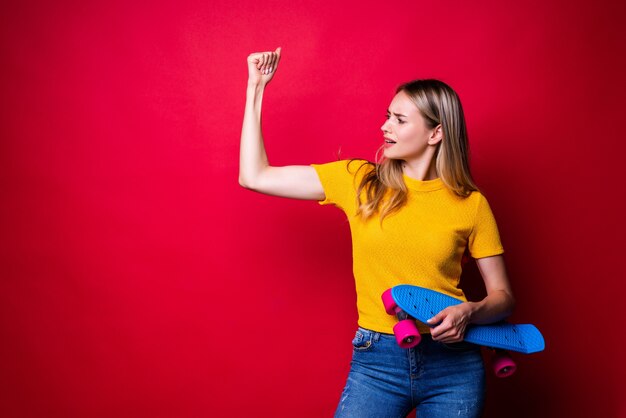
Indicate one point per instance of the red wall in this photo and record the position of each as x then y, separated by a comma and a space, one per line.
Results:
139, 280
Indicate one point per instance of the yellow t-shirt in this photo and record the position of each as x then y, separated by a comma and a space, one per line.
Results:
422, 244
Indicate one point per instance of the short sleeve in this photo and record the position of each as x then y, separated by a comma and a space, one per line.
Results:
484, 240
339, 180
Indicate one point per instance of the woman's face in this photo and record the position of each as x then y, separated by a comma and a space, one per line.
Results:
405, 131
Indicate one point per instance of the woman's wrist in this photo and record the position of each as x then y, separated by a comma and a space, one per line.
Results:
256, 85
473, 309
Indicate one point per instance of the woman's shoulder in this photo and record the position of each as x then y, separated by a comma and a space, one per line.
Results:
353, 166
475, 198
479, 202
478, 196
471, 201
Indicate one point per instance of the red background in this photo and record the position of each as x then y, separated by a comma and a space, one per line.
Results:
139, 280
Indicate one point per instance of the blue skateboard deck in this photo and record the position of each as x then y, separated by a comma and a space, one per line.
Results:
422, 304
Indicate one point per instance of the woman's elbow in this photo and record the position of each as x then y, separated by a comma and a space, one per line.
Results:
246, 182
511, 303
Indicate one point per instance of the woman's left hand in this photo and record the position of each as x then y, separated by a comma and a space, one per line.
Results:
452, 323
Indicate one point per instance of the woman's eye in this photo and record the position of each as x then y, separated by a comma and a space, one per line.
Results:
400, 121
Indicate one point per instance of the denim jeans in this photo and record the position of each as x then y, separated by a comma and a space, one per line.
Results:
439, 380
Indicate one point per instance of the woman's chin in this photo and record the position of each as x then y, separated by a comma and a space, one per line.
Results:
388, 154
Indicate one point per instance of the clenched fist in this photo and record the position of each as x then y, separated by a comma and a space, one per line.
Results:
262, 66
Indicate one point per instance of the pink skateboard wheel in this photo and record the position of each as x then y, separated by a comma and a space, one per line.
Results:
407, 334
390, 304
502, 363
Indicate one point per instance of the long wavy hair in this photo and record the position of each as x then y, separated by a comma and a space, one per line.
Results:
438, 104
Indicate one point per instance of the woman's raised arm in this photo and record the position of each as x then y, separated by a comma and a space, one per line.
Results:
255, 172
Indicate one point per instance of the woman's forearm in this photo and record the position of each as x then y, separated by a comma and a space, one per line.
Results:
252, 155
495, 307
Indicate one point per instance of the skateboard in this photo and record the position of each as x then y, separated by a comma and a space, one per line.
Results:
410, 303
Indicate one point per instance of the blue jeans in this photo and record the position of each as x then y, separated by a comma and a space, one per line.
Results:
439, 380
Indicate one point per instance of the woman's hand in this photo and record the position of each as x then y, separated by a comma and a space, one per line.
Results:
452, 323
262, 66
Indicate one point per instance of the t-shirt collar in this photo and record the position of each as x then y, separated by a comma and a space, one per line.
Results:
423, 185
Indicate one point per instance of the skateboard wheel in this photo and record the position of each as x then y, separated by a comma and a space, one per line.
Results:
502, 363
407, 334
390, 304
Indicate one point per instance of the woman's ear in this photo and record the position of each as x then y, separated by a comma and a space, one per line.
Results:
436, 136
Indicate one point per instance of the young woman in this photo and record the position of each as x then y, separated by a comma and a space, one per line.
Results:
412, 214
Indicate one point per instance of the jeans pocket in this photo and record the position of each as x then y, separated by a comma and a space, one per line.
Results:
362, 340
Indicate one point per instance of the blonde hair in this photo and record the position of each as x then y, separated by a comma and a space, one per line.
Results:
438, 104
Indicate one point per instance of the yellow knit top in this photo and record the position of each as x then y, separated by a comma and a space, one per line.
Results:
422, 244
